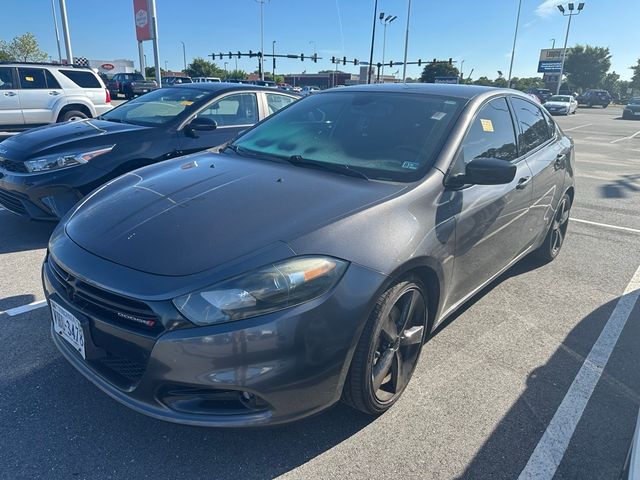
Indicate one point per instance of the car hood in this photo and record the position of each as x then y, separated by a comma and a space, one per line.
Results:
556, 104
65, 137
195, 213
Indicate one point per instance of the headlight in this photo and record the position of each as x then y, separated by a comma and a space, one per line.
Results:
268, 289
55, 162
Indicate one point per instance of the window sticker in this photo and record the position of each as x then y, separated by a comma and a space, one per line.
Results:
29, 79
186, 103
411, 165
487, 125
438, 115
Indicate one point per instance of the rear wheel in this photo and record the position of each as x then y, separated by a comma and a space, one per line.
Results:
72, 115
554, 240
389, 348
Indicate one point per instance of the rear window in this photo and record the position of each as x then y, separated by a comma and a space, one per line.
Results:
82, 79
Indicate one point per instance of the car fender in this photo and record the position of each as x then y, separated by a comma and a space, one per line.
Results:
74, 99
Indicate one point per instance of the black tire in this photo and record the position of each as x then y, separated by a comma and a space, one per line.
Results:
71, 115
589, 105
554, 239
114, 95
128, 94
394, 353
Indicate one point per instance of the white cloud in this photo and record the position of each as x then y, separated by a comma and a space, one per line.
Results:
547, 7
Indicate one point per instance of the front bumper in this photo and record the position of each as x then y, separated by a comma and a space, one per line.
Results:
266, 370
47, 195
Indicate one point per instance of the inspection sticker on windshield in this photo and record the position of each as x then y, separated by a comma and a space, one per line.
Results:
438, 115
186, 103
411, 165
487, 125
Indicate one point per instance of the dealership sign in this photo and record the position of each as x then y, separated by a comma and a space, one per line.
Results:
107, 66
550, 60
142, 16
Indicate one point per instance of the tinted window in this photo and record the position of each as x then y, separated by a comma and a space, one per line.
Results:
534, 130
233, 110
276, 101
386, 136
51, 80
82, 78
491, 136
32, 78
6, 78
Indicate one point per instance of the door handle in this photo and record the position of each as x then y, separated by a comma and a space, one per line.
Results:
54, 93
560, 159
10, 94
523, 182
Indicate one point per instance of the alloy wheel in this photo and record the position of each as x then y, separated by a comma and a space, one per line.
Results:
559, 227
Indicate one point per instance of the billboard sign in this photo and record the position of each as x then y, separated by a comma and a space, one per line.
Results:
446, 80
142, 17
550, 60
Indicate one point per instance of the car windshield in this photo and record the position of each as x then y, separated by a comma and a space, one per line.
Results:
559, 98
156, 108
385, 136
634, 101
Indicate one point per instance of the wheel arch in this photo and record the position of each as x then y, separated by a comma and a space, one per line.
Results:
75, 106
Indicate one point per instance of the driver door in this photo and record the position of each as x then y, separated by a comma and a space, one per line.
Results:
233, 113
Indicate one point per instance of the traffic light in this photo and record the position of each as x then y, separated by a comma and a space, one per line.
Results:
356, 61
333, 59
230, 55
391, 64
250, 54
344, 60
450, 61
419, 62
302, 57
239, 54
315, 58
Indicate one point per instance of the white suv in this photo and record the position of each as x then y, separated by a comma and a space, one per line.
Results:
34, 94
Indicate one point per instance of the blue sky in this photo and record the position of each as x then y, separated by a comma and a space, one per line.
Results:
478, 31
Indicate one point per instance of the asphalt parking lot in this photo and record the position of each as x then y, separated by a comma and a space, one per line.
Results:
497, 391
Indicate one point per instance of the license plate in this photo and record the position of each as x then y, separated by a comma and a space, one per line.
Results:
68, 327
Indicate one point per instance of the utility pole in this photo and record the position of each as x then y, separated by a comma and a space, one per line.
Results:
55, 26
373, 40
406, 45
273, 52
261, 2
566, 37
385, 21
156, 49
515, 37
184, 56
65, 31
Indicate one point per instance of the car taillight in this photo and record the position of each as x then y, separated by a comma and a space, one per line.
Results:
108, 96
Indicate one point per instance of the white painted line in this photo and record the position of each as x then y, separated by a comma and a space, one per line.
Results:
576, 128
626, 138
12, 312
606, 225
547, 455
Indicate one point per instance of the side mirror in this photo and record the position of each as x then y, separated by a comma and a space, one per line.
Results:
485, 171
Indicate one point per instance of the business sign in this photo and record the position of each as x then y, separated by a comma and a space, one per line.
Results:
107, 66
142, 16
550, 60
446, 80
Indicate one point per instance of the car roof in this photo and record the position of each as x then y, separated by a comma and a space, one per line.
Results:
223, 86
450, 90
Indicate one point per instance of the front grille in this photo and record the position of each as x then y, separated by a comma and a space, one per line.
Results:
12, 166
12, 202
106, 305
122, 371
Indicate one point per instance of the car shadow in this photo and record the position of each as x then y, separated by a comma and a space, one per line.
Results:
15, 301
20, 234
621, 187
599, 445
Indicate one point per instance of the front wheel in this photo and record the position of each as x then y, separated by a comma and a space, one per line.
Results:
554, 240
389, 348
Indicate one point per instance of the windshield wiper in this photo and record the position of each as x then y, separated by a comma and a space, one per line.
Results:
340, 168
245, 152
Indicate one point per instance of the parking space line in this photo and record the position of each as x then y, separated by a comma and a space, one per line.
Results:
606, 225
547, 455
12, 312
626, 138
576, 128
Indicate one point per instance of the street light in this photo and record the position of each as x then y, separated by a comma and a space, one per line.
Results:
406, 45
572, 11
261, 2
385, 21
553, 42
184, 55
515, 37
373, 41
273, 52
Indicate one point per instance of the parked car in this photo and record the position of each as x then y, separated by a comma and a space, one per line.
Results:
33, 94
632, 109
206, 80
170, 81
45, 171
309, 90
130, 85
311, 259
631, 469
542, 93
265, 83
561, 105
591, 98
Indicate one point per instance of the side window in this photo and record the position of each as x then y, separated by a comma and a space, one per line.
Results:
82, 78
491, 136
51, 80
233, 110
534, 129
6, 78
276, 101
551, 125
32, 78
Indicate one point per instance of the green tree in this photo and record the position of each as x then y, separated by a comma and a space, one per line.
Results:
500, 82
439, 69
23, 48
150, 72
200, 67
586, 66
237, 74
525, 83
635, 79
485, 81
611, 83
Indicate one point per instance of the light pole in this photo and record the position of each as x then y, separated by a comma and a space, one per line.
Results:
553, 43
513, 50
406, 45
184, 55
273, 52
572, 11
65, 31
55, 26
226, 73
385, 21
261, 2
373, 40
166, 63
